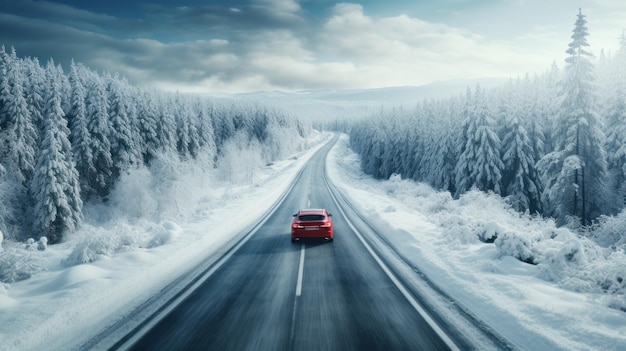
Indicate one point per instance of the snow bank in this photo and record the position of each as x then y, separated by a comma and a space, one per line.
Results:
154, 229
541, 286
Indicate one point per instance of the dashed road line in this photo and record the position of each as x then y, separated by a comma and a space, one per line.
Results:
300, 273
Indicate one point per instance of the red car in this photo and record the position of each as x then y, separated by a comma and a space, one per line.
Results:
312, 223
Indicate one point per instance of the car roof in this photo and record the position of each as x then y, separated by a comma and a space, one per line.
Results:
309, 211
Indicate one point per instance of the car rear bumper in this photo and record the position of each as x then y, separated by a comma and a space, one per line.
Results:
305, 234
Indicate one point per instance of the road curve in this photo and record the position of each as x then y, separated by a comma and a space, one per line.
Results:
272, 294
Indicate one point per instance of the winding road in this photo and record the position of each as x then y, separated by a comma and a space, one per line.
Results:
268, 293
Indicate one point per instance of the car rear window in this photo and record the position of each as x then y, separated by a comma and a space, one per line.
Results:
311, 217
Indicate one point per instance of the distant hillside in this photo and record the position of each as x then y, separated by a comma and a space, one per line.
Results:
331, 103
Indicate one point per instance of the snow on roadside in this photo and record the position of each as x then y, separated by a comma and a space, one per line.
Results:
541, 287
104, 271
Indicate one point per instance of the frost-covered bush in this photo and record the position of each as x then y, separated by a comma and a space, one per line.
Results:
19, 262
461, 234
419, 196
13, 198
42, 244
134, 194
281, 142
239, 159
516, 245
93, 243
610, 231
440, 203
393, 184
90, 248
163, 234
169, 189
488, 232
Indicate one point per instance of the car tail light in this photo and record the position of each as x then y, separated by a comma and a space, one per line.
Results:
325, 225
296, 226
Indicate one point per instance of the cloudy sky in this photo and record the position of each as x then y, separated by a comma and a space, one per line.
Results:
290, 45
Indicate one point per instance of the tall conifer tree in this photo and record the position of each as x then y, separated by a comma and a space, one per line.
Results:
55, 188
575, 174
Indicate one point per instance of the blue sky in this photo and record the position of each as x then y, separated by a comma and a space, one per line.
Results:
251, 45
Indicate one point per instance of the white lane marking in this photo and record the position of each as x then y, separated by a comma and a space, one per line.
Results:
308, 203
407, 295
300, 273
298, 294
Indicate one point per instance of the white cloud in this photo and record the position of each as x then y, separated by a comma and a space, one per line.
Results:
272, 45
286, 6
353, 50
402, 50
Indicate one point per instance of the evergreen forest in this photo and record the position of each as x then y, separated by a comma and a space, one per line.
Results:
552, 144
66, 138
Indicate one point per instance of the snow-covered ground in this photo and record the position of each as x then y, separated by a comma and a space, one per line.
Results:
138, 246
571, 298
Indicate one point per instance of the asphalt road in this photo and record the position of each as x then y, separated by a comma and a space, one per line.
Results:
272, 294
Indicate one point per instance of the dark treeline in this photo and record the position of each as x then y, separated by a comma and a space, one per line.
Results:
66, 138
553, 144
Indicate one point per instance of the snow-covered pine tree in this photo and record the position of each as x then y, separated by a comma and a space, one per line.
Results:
5, 88
616, 127
35, 89
519, 177
19, 136
98, 179
549, 101
428, 131
578, 188
122, 138
80, 137
534, 96
373, 159
446, 140
131, 98
479, 165
224, 125
403, 146
206, 134
55, 188
418, 144
166, 125
147, 124
186, 131
407, 154
389, 138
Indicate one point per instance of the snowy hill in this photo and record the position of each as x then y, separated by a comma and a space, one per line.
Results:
348, 103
